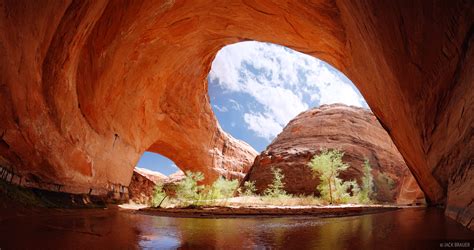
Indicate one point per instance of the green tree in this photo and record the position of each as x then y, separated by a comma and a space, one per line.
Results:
188, 189
367, 187
276, 188
159, 195
327, 165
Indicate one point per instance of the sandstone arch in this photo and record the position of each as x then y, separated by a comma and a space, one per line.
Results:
86, 87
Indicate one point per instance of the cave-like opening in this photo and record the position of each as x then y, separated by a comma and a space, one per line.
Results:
267, 95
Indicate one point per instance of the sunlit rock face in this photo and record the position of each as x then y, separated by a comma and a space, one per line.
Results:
144, 181
171, 184
87, 87
354, 131
410, 192
143, 184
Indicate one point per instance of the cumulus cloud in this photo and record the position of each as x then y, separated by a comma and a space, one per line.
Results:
282, 82
333, 88
263, 125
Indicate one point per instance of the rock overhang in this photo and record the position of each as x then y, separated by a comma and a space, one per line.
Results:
87, 87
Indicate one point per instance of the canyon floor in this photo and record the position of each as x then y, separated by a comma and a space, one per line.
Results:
256, 207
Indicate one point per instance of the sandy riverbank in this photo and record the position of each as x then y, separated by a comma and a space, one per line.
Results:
268, 211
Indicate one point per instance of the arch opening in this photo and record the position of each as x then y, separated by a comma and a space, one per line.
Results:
157, 163
263, 93
264, 85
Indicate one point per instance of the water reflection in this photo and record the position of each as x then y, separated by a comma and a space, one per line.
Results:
407, 229
113, 229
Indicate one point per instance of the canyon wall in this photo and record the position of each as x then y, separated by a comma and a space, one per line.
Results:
354, 131
142, 185
87, 86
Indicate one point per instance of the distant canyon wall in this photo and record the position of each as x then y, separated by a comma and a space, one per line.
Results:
354, 131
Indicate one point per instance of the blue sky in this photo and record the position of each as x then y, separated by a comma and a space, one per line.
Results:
257, 88
157, 162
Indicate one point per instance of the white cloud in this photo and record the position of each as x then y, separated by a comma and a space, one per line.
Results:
282, 81
263, 125
280, 103
221, 109
333, 88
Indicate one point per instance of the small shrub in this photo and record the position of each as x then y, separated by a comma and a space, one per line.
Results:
276, 188
366, 190
222, 189
327, 165
343, 189
188, 192
249, 188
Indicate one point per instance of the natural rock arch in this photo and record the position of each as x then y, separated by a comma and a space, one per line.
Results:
86, 87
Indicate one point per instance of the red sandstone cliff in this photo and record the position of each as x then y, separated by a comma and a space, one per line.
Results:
143, 184
355, 131
87, 86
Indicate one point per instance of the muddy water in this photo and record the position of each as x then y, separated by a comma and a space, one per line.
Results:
115, 229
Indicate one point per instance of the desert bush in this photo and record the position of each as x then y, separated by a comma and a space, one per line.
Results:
188, 192
222, 189
327, 165
343, 189
366, 189
249, 188
276, 188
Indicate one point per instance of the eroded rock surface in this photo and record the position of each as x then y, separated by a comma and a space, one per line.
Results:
410, 192
87, 86
143, 184
356, 132
172, 182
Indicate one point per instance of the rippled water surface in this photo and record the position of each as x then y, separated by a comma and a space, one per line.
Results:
114, 229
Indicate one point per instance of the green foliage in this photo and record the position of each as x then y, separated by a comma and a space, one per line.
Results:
188, 189
366, 190
158, 195
188, 192
327, 165
341, 190
249, 188
221, 189
276, 188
